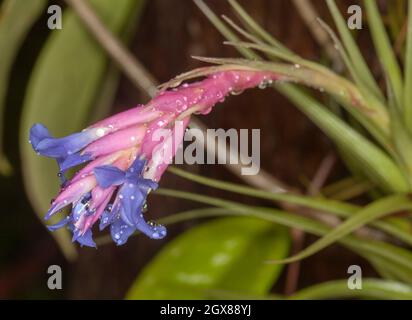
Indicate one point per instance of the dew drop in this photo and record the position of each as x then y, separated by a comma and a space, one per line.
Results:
100, 132
264, 84
236, 92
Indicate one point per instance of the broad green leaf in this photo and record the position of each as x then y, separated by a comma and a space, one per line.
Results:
61, 94
374, 211
371, 289
384, 50
224, 254
16, 19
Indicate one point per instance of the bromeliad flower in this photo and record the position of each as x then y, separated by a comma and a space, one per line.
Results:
126, 158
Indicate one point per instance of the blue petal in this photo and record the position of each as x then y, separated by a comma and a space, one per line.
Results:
46, 145
108, 215
146, 184
131, 200
107, 176
152, 230
85, 239
59, 224
38, 132
72, 161
137, 167
81, 207
121, 231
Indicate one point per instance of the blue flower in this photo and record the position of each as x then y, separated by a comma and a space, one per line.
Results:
125, 216
65, 150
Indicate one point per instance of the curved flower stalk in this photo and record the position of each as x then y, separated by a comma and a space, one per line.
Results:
126, 155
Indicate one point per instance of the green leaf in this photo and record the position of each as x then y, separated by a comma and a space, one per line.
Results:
399, 259
16, 20
61, 94
360, 67
371, 289
248, 21
338, 208
408, 72
378, 166
224, 254
226, 32
374, 211
384, 50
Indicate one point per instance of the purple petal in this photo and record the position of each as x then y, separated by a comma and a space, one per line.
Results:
46, 145
152, 230
107, 176
80, 208
136, 168
121, 231
73, 160
131, 200
59, 224
145, 185
85, 239
38, 132
109, 214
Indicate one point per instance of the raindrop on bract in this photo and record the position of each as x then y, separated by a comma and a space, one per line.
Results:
264, 84
236, 92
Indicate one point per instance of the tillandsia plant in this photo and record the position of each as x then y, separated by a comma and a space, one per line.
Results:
128, 156
122, 158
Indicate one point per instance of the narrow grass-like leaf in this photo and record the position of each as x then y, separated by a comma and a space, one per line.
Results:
388, 270
16, 20
408, 72
360, 66
338, 208
384, 50
372, 212
61, 93
371, 289
215, 255
397, 257
258, 30
226, 32
373, 160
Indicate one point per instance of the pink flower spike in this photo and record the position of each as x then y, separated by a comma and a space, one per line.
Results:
134, 116
71, 193
122, 139
101, 161
163, 153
